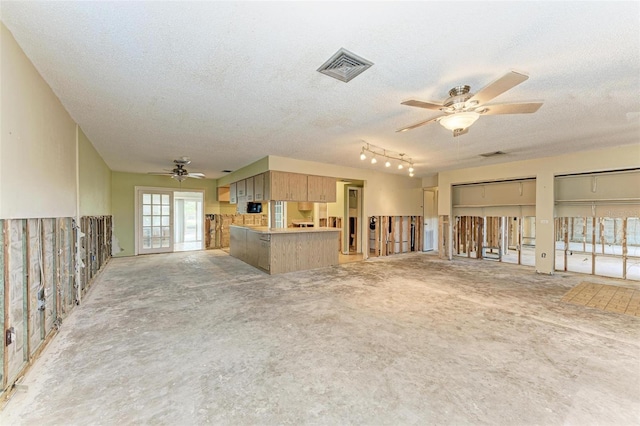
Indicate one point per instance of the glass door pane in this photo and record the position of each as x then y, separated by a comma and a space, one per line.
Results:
155, 222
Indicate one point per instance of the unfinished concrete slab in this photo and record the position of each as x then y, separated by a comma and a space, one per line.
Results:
201, 337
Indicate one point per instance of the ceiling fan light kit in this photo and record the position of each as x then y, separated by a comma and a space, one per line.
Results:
387, 155
179, 173
463, 108
459, 121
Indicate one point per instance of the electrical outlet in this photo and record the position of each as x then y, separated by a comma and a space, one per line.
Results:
10, 336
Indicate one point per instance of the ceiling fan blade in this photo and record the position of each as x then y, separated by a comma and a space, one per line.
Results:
422, 104
421, 123
161, 173
458, 132
501, 85
520, 108
196, 175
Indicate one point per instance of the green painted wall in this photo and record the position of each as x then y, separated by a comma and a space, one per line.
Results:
123, 201
95, 179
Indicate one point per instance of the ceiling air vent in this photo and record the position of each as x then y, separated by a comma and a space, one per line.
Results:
493, 154
344, 65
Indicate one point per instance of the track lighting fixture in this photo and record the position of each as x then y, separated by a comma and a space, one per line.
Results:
388, 155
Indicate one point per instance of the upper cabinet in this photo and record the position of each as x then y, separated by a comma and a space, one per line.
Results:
223, 194
258, 187
321, 189
233, 199
241, 190
288, 186
249, 188
283, 186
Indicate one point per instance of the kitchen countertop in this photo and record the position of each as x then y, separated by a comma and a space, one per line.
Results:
267, 230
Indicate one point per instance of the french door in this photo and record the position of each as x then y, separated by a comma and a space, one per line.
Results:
155, 221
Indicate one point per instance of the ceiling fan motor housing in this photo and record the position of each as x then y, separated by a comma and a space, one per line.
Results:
458, 96
180, 170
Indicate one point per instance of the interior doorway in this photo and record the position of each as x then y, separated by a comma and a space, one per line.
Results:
188, 221
353, 224
430, 217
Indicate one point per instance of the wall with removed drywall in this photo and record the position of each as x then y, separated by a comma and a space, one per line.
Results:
544, 171
49, 174
37, 142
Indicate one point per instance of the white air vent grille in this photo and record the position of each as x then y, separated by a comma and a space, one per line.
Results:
344, 65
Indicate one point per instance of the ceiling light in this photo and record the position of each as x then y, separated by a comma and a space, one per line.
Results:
460, 120
411, 174
388, 156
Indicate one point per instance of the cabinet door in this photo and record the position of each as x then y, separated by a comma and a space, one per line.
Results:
297, 187
329, 186
233, 199
315, 186
258, 187
249, 188
279, 186
241, 189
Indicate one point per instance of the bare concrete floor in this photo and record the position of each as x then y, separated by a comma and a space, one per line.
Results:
200, 337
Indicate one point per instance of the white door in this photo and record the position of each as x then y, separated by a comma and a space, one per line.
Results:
155, 230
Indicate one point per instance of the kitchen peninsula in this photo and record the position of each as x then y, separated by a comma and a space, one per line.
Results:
285, 249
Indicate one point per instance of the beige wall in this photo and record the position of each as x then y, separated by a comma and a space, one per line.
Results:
123, 201
544, 170
94, 179
37, 141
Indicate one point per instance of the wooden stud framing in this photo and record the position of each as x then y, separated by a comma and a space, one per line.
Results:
566, 241
5, 278
27, 281
593, 245
624, 248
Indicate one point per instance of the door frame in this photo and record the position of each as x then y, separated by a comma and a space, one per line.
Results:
136, 204
202, 218
136, 228
346, 226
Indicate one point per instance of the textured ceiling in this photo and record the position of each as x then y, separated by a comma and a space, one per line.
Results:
227, 83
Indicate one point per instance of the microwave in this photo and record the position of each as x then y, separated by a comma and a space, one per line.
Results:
254, 207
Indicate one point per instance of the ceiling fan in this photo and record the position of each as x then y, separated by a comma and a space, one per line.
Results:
462, 108
179, 173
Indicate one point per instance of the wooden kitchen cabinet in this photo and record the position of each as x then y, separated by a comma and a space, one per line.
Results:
286, 186
321, 189
258, 188
249, 188
241, 190
233, 198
